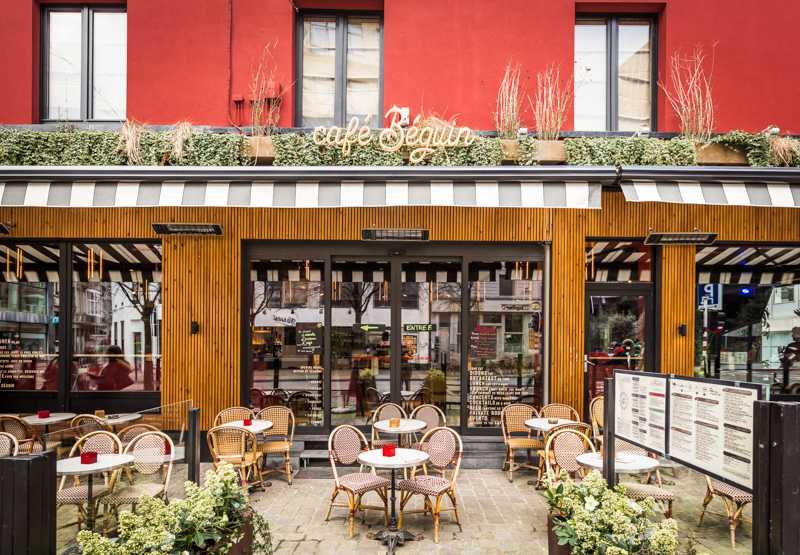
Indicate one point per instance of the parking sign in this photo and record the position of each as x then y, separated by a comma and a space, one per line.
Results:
709, 295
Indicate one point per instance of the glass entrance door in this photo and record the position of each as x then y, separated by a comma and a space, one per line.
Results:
617, 335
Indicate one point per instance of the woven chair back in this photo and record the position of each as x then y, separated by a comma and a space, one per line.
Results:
513, 417
282, 419
232, 414
344, 445
9, 447
596, 411
388, 410
563, 448
558, 410
444, 447
101, 442
127, 435
574, 426
431, 415
228, 442
150, 450
86, 423
15, 426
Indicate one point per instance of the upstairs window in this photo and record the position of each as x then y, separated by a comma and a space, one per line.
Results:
84, 63
339, 69
615, 75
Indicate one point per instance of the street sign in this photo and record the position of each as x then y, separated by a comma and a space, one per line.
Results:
366, 328
413, 328
709, 295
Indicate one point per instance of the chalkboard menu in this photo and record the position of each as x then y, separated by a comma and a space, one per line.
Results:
17, 362
309, 339
313, 375
488, 395
483, 342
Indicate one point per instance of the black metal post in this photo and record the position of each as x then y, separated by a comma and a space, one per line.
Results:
761, 493
609, 472
784, 480
193, 446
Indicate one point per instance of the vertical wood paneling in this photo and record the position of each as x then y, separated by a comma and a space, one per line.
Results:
202, 282
677, 307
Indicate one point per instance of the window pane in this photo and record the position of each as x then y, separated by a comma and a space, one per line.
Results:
590, 76
110, 62
64, 65
430, 369
505, 344
635, 72
319, 71
363, 69
286, 329
29, 317
116, 288
618, 261
360, 340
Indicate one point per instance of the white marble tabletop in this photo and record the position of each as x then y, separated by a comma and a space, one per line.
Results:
544, 424
624, 463
122, 418
256, 427
403, 458
73, 466
54, 418
407, 426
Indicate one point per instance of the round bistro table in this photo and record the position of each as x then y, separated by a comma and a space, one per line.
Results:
73, 467
403, 458
54, 418
407, 426
543, 424
624, 463
121, 418
257, 426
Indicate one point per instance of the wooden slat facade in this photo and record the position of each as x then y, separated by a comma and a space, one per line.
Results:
202, 275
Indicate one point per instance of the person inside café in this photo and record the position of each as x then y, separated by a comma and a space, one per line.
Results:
116, 374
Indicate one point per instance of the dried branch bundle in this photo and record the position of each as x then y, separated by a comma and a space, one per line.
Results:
181, 133
130, 136
783, 151
509, 100
266, 97
550, 105
690, 94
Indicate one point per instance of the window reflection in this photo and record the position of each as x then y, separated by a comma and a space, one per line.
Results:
116, 317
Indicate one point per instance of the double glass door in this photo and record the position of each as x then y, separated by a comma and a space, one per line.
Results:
394, 336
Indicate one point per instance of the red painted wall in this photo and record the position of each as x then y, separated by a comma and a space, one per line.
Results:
444, 57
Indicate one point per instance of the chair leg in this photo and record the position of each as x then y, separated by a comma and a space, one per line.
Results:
452, 496
436, 509
288, 468
706, 500
330, 506
733, 519
510, 465
351, 517
668, 513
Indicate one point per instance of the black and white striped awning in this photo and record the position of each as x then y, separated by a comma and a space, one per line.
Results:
749, 264
327, 187
617, 261
774, 187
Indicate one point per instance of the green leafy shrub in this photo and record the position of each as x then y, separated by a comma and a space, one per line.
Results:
209, 520
485, 151
592, 518
755, 145
629, 151
527, 152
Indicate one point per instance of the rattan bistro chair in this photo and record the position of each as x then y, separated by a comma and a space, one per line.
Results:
9, 446
517, 436
238, 447
557, 410
278, 438
126, 435
596, 415
344, 445
581, 427
27, 440
102, 442
446, 450
232, 414
433, 417
735, 501
84, 424
562, 449
150, 451
384, 412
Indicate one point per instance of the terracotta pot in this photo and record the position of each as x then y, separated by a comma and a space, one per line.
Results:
245, 545
552, 541
260, 148
715, 154
551, 152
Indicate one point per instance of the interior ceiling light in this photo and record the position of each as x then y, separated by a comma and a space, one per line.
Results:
187, 229
680, 238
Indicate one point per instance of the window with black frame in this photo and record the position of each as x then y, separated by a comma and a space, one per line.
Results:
30, 310
84, 61
748, 313
615, 73
116, 317
340, 70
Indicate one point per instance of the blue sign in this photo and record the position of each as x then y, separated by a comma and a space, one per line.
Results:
709, 295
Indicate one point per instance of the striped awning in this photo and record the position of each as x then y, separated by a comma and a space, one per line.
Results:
775, 187
749, 264
328, 187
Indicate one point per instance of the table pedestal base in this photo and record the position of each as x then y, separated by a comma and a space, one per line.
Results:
392, 538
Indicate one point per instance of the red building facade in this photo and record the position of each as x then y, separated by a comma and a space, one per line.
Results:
192, 61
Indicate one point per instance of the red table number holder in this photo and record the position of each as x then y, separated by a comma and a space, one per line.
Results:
89, 457
43, 414
248, 421
389, 450
167, 447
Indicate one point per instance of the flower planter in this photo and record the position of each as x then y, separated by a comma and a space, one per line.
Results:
551, 152
552, 540
245, 545
260, 148
715, 154
510, 150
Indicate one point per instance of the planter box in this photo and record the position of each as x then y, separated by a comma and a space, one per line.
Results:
245, 545
552, 541
510, 150
715, 154
551, 152
260, 148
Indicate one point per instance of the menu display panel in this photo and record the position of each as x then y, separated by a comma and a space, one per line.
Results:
641, 409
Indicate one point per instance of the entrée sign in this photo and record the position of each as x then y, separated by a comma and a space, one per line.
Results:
421, 139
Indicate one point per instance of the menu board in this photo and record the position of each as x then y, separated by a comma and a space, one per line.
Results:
18, 364
309, 339
488, 395
483, 342
641, 409
711, 427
